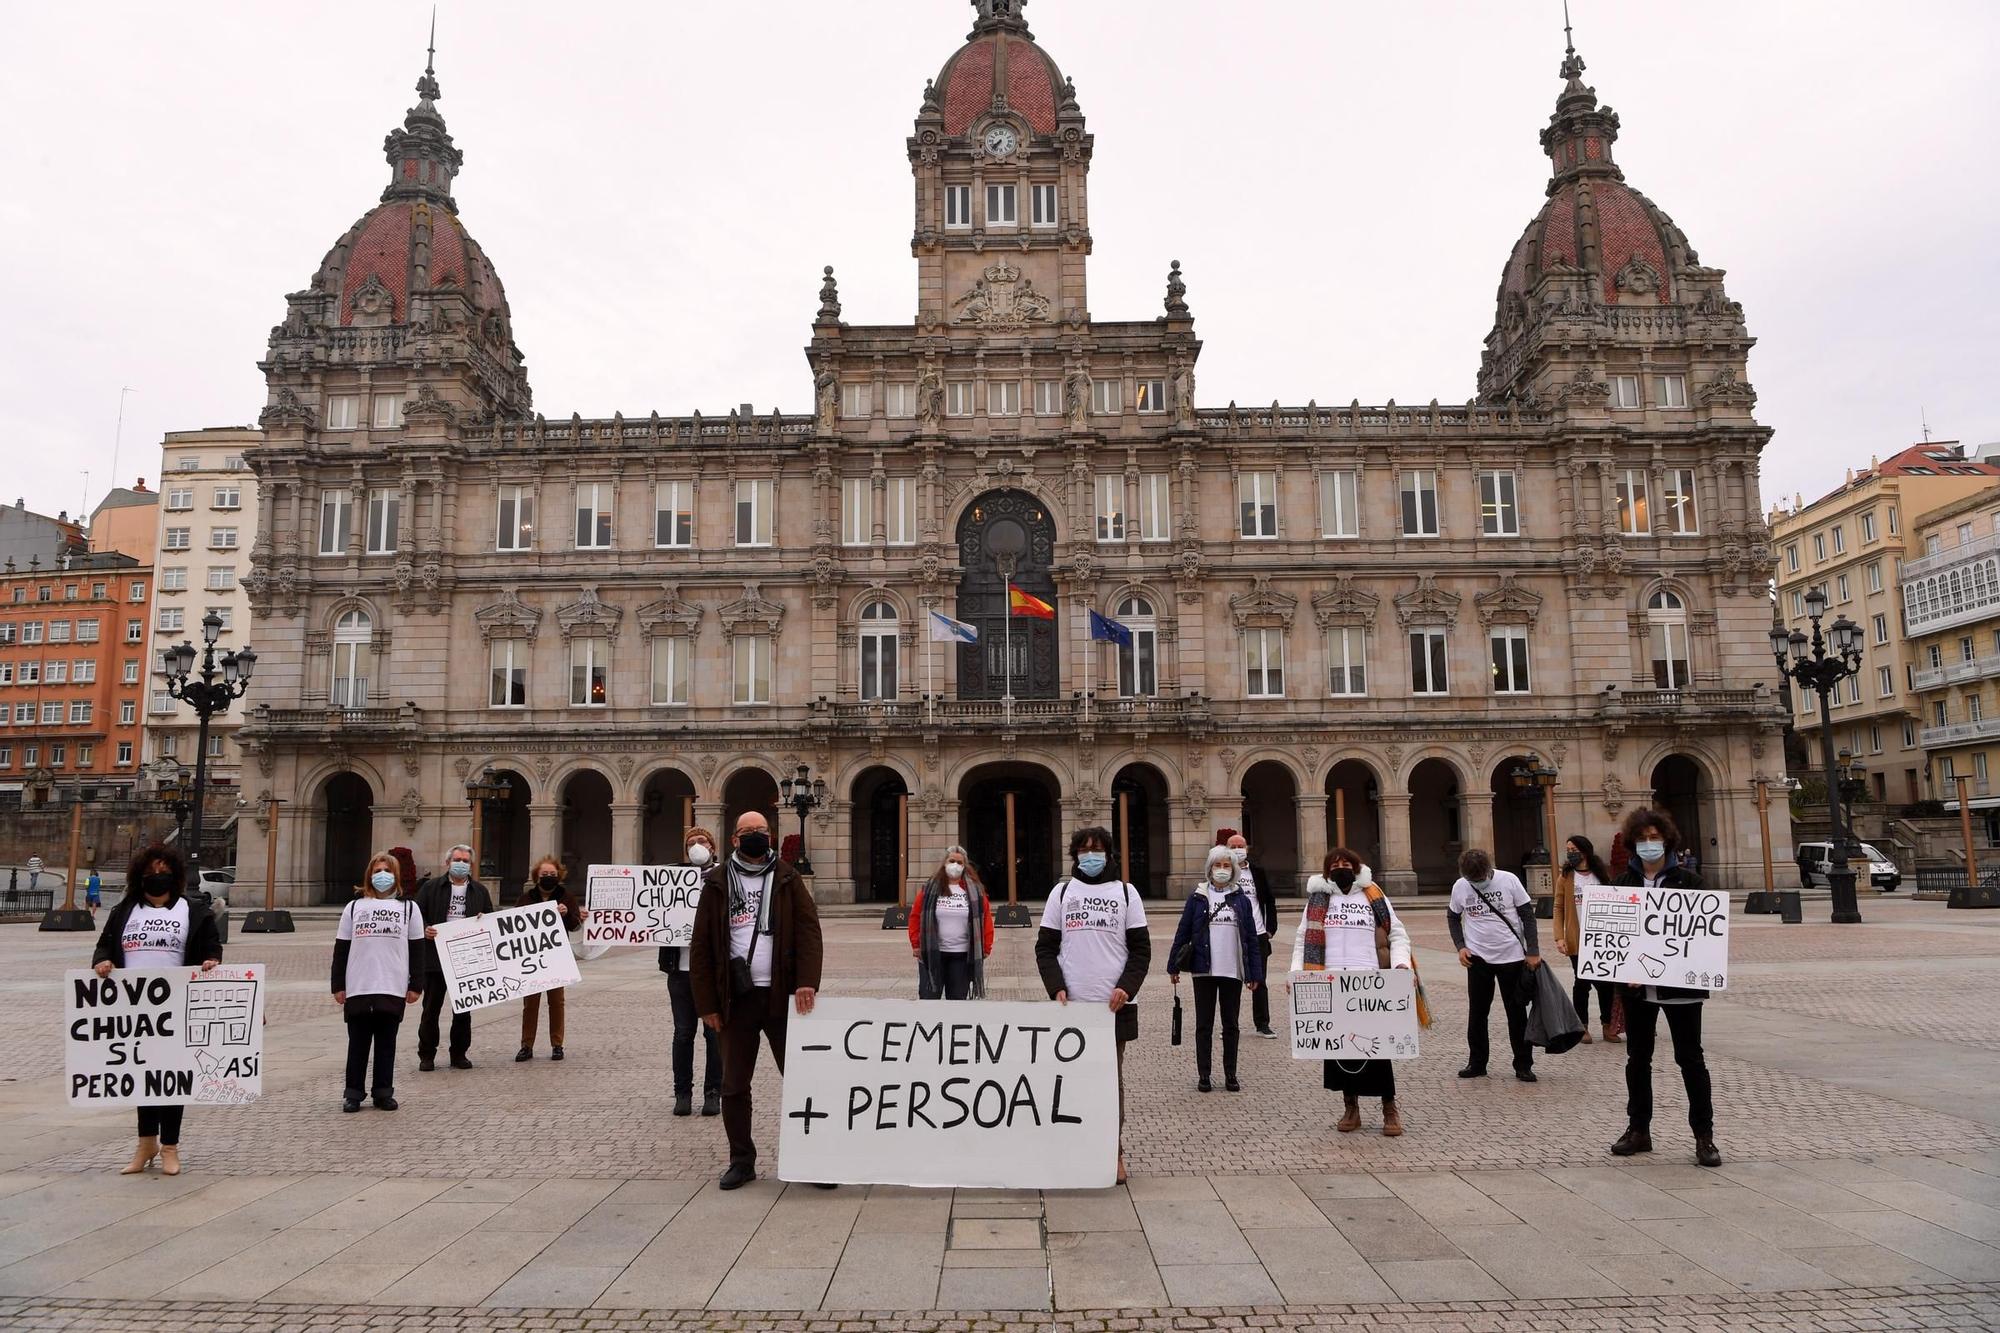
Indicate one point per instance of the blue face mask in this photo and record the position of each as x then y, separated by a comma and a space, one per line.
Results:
1650, 849
383, 881
461, 869
1090, 863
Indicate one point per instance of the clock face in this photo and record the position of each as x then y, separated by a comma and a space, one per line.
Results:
1000, 141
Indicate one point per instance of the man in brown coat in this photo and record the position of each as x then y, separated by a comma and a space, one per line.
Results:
756, 950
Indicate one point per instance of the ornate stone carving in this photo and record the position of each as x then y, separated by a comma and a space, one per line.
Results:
373, 303
412, 809
1227, 758
1614, 793
1726, 389
1261, 607
669, 614
826, 401
508, 618
589, 617
413, 762
461, 766
1394, 755
1183, 392
286, 410
625, 765
1508, 604
1345, 605
931, 806
544, 764
1427, 604
930, 398
751, 613
1002, 297
1197, 802
1176, 291
427, 406
1076, 399
707, 765
1638, 278
829, 298
1311, 755
1584, 389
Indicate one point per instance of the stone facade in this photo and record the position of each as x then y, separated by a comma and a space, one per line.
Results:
1350, 621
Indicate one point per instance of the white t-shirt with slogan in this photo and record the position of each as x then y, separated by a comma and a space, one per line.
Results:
156, 936
1489, 936
378, 963
744, 941
1225, 942
954, 921
1093, 919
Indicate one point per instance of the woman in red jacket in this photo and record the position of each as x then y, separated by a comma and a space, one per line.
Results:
951, 931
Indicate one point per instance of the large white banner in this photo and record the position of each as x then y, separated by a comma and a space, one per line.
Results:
174, 1037
1655, 937
505, 956
1354, 1014
1002, 1094
640, 905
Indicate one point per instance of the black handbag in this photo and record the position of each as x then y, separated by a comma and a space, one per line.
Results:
740, 983
1176, 1038
1183, 958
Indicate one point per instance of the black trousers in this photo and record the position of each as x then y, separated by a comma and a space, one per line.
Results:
760, 1014
1580, 996
1480, 980
435, 998
1684, 1023
162, 1123
376, 1032
1211, 993
680, 991
1260, 999
954, 979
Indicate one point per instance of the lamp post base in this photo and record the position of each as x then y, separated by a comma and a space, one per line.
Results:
67, 918
896, 918
1012, 914
1846, 908
269, 921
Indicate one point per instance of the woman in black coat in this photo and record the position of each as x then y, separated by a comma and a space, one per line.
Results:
156, 925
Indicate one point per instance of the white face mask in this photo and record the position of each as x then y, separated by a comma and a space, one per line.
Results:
1239, 855
1222, 875
698, 854
953, 870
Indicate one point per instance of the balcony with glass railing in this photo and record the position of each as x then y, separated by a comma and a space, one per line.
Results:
1959, 733
1952, 673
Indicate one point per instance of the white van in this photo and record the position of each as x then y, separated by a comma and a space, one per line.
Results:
1814, 856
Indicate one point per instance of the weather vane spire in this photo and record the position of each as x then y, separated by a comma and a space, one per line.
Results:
1572, 65
1569, 44
430, 52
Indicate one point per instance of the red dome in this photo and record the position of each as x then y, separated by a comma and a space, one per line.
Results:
1629, 227
1005, 62
405, 246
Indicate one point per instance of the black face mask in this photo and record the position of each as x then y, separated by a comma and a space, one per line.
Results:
549, 883
1573, 860
1344, 878
157, 885
755, 845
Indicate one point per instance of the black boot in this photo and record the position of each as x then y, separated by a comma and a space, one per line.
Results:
1632, 1141
1706, 1153
712, 1104
683, 1103
350, 1100
385, 1099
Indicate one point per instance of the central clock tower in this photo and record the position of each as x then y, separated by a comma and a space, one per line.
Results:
1001, 162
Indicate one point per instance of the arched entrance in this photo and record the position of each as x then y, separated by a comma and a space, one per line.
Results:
750, 789
1353, 798
586, 823
1681, 788
1038, 834
347, 807
1517, 817
875, 835
666, 812
1437, 829
1006, 535
503, 840
1271, 823
1149, 854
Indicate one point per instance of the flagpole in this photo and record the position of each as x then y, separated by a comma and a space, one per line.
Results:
1007, 636
930, 656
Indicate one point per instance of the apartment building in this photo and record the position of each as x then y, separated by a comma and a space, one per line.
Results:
1951, 613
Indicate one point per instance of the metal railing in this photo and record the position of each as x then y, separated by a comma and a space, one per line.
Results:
1950, 556
1979, 668
1959, 732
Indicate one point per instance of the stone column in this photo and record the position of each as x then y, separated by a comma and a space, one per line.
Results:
708, 815
544, 824
1397, 874
1475, 809
625, 839
1313, 845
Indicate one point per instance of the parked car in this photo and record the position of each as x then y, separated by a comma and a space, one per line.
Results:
1813, 858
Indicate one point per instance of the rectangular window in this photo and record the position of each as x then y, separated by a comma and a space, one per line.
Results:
31, 674
385, 508
673, 514
1939, 717
1420, 504
225, 614
1909, 735
1839, 539
1347, 661
1427, 662
222, 539
79, 710
180, 498
124, 752
1679, 502
1048, 398
751, 674
128, 713
173, 578
6, 633
1854, 689
958, 205
51, 715
1155, 507
83, 671
959, 398
58, 754
1792, 558
31, 632
1634, 520
507, 674
753, 513
1625, 391
857, 511
1893, 528
1819, 546
670, 670
1509, 645
86, 630
1936, 655
514, 528
31, 756
1874, 573
1881, 623
388, 411
1964, 536
137, 592
1110, 507
1257, 504
1498, 516
1339, 504
1264, 663
58, 631
589, 673
1003, 398
1138, 665
899, 400
6, 678
856, 400
56, 673
172, 618
1107, 397
593, 515
1043, 199
99, 590
134, 631
162, 702
1844, 589
901, 503
340, 414
1000, 209
85, 753
1885, 682
879, 660
180, 539
1152, 396
336, 519
6, 756
1673, 391
1867, 528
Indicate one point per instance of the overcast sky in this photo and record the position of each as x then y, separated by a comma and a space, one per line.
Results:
659, 185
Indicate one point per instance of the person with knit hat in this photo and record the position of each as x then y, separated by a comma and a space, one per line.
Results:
1257, 885
1217, 943
697, 850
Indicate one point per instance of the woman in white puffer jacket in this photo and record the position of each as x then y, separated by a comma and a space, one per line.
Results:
1350, 924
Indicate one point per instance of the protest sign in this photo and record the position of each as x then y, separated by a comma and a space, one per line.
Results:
640, 905
1655, 937
1354, 1014
505, 955
171, 1037
1000, 1095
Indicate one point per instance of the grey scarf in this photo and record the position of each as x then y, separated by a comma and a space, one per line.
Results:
975, 948
738, 867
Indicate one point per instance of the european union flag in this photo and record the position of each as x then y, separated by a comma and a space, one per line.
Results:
1109, 630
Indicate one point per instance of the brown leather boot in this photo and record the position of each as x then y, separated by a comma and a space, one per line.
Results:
1392, 1119
1350, 1119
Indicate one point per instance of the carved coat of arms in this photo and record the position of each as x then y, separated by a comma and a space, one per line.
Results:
1003, 297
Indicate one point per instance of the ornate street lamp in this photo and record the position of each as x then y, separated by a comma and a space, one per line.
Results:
484, 786
208, 694
1820, 662
1535, 780
177, 795
804, 794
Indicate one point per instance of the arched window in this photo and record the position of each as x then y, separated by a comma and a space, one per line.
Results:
1666, 617
351, 660
878, 652
1138, 661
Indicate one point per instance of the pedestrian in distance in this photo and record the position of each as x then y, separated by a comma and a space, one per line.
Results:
93, 891
378, 972
1217, 942
756, 955
1654, 840
1494, 950
452, 896
34, 872
1093, 946
1253, 880
697, 850
951, 951
1582, 869
1349, 923
156, 925
545, 885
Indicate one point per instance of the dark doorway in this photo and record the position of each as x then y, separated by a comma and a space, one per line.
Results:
1038, 860
348, 803
1144, 837
750, 789
1006, 534
1353, 811
1517, 815
586, 823
503, 840
1681, 789
666, 808
875, 827
1271, 824
1437, 830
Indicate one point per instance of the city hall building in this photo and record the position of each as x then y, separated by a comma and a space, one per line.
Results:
1346, 622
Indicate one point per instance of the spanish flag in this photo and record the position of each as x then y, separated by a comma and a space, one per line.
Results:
1027, 604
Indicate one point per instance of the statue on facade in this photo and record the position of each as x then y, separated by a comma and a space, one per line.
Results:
1076, 399
930, 398
826, 400
1183, 389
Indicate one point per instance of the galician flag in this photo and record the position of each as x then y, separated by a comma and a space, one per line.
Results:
945, 629
1027, 604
